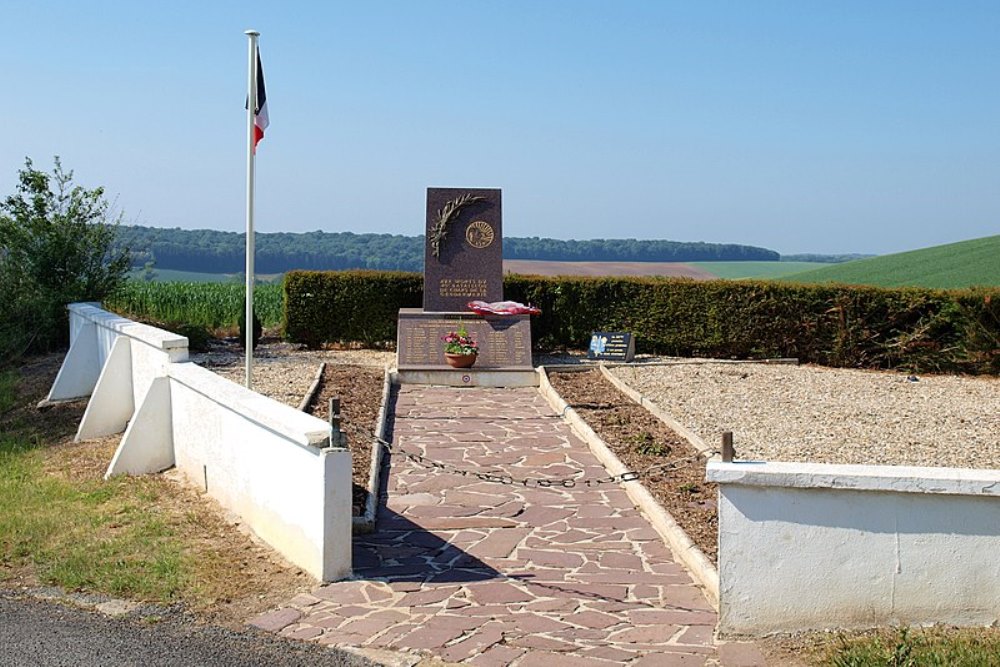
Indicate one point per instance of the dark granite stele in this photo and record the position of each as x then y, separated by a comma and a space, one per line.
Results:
469, 265
504, 341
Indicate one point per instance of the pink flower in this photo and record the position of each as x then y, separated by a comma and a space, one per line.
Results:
460, 342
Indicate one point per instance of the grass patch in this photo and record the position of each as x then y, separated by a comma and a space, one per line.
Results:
951, 266
952, 647
760, 270
91, 534
645, 443
146, 538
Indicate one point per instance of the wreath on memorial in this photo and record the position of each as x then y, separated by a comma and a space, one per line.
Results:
446, 215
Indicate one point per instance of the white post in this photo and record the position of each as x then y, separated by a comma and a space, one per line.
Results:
251, 110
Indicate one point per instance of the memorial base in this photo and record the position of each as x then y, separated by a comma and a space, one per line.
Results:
504, 349
468, 377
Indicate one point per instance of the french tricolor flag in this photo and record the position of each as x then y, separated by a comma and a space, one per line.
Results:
260, 121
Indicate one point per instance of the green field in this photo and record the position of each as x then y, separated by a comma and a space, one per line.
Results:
725, 270
212, 305
762, 270
172, 276
952, 266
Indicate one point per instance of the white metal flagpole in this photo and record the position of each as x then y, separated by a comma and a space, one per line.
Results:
251, 111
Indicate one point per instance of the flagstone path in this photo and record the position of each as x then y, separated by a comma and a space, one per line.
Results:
487, 574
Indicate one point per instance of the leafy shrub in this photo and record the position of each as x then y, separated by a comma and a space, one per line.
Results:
57, 246
347, 306
197, 335
912, 329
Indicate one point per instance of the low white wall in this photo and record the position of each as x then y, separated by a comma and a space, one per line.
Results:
93, 333
266, 462
810, 546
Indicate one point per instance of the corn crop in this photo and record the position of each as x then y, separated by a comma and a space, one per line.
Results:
211, 305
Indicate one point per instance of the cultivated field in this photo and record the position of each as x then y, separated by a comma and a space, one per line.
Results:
694, 270
211, 305
951, 266
755, 270
533, 267
172, 275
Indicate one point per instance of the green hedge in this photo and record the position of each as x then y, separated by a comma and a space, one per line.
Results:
834, 325
348, 306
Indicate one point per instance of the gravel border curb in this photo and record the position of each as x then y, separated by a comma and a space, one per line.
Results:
700, 567
366, 522
693, 438
775, 361
313, 388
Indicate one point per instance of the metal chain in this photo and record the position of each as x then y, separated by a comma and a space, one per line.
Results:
499, 477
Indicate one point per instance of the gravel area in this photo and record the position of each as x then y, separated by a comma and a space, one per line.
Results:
285, 373
823, 415
281, 370
777, 412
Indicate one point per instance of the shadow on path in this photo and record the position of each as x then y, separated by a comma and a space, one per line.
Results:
401, 550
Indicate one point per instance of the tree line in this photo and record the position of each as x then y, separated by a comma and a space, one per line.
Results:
215, 251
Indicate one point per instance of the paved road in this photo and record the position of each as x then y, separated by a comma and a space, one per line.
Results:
50, 634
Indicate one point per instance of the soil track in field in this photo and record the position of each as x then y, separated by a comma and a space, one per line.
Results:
668, 269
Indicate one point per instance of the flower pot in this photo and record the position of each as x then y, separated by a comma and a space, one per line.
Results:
460, 360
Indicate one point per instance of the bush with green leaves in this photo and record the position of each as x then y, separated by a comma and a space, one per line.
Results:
348, 306
912, 329
57, 246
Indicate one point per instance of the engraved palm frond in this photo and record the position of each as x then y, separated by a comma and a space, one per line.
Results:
445, 216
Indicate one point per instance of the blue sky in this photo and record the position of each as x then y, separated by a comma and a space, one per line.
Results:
800, 126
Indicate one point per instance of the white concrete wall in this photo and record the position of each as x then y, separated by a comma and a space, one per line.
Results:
264, 461
93, 333
809, 546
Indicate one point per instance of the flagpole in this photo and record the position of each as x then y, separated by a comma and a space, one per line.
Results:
251, 110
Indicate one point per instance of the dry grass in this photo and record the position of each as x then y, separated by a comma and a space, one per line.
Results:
149, 538
887, 647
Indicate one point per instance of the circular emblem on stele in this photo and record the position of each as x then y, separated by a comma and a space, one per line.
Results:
479, 234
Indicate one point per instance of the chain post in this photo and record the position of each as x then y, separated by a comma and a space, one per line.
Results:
727, 447
337, 437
